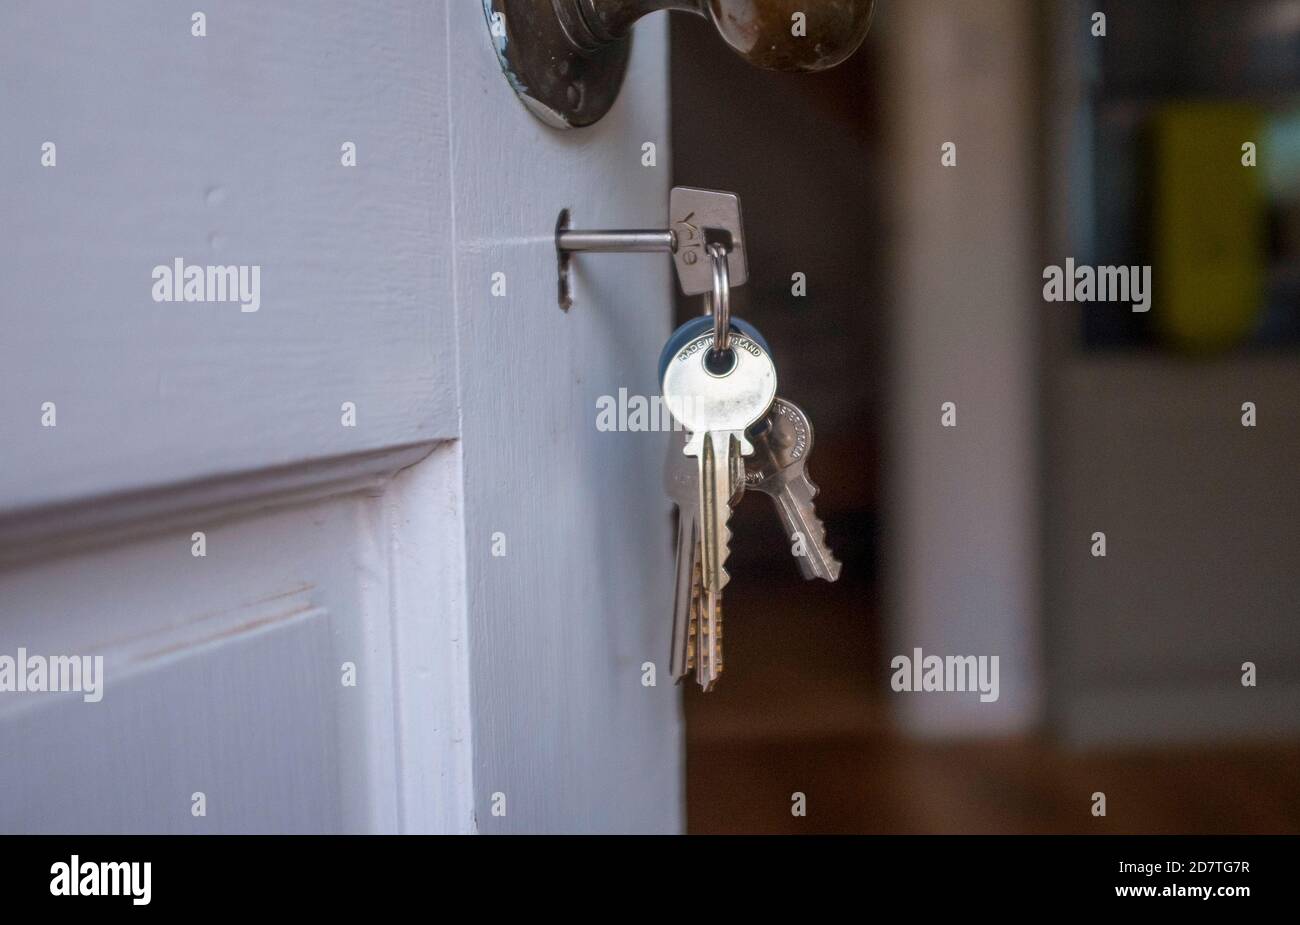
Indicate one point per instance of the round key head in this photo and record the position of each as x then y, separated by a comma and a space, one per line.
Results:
786, 439
698, 325
707, 392
790, 432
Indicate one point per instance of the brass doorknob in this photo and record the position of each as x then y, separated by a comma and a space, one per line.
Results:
566, 58
792, 35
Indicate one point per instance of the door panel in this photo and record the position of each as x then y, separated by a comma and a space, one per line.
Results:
241, 659
328, 546
220, 150
261, 757
562, 623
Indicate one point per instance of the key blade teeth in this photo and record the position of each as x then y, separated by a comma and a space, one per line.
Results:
710, 644
686, 569
830, 567
799, 515
717, 640
717, 469
723, 553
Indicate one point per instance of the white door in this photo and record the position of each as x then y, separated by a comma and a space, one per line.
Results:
349, 543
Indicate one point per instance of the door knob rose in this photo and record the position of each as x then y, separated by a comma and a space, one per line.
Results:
566, 58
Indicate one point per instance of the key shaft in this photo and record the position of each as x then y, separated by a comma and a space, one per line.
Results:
778, 468
794, 502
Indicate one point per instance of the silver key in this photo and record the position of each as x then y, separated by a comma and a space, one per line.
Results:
681, 483
708, 604
708, 640
703, 644
716, 407
779, 468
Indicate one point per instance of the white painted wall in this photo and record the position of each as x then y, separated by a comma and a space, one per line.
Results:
1200, 573
1202, 570
961, 517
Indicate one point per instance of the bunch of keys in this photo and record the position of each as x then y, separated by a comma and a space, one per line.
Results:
719, 383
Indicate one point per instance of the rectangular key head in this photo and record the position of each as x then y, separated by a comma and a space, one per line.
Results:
693, 213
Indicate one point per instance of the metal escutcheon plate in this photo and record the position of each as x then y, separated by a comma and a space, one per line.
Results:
562, 86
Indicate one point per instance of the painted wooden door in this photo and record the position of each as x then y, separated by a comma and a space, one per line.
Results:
339, 522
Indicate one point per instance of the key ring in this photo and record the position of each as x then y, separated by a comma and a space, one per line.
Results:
719, 300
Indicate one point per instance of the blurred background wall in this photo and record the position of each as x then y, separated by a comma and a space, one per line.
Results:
1144, 132
1119, 674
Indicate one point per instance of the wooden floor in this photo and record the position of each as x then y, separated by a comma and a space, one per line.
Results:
794, 713
884, 786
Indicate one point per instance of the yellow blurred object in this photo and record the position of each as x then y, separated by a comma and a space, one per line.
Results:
1209, 225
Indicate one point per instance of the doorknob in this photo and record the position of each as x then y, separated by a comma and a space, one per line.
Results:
566, 58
